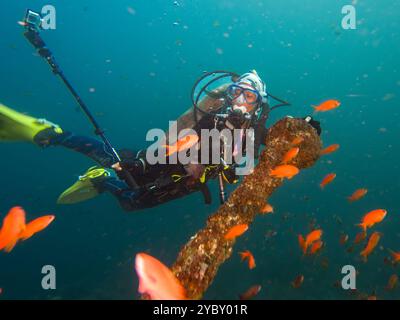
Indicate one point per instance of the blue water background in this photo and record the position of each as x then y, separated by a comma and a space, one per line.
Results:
142, 57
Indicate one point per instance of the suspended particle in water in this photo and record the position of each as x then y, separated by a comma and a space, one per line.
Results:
131, 11
220, 51
388, 96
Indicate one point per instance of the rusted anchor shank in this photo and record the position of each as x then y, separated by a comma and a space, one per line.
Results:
198, 262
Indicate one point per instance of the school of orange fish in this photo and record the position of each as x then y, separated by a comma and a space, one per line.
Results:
310, 244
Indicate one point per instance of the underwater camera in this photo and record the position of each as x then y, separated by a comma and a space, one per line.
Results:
33, 20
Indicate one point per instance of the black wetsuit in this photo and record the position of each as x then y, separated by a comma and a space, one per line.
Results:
158, 183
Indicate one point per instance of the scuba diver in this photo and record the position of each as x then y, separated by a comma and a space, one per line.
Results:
240, 103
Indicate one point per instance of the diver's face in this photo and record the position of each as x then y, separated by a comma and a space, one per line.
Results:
243, 97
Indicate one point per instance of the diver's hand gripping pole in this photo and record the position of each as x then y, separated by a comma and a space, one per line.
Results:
34, 38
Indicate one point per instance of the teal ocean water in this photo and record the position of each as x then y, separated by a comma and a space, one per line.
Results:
134, 63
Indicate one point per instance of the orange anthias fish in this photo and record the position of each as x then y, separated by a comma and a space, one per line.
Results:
157, 280
371, 218
328, 179
13, 225
35, 226
290, 155
248, 255
326, 106
296, 141
343, 239
392, 283
357, 195
372, 243
284, 171
312, 237
298, 281
250, 293
267, 209
302, 243
329, 149
360, 237
182, 144
236, 231
316, 246
395, 256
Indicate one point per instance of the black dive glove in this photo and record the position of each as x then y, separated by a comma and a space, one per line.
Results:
314, 123
134, 164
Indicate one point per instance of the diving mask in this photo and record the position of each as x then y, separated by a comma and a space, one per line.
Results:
250, 96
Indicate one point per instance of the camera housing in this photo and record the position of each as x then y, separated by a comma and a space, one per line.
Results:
33, 20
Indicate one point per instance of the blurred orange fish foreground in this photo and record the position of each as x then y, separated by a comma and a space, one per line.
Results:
13, 225
157, 280
36, 226
15, 229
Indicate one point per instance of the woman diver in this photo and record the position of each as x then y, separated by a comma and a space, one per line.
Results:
240, 103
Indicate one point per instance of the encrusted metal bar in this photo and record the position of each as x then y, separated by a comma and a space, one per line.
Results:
198, 262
